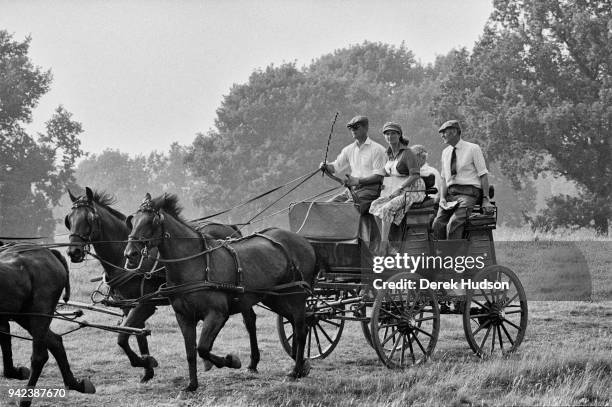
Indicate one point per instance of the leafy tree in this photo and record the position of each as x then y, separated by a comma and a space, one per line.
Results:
536, 91
33, 170
130, 178
275, 127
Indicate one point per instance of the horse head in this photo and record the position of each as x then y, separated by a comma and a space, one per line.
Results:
83, 224
147, 230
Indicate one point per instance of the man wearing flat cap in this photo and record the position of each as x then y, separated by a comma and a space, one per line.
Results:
366, 160
464, 178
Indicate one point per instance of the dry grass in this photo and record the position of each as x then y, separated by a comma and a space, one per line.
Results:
564, 360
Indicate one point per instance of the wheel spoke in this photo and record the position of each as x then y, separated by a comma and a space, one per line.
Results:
325, 333
290, 336
419, 343
425, 319
493, 341
388, 338
389, 325
507, 334
481, 305
420, 330
511, 323
309, 338
314, 328
485, 295
485, 337
411, 351
390, 313
510, 300
501, 342
479, 315
403, 350
487, 322
395, 343
514, 312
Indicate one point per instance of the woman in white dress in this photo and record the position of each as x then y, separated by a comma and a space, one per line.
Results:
403, 185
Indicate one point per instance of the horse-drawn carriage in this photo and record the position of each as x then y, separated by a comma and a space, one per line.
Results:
399, 307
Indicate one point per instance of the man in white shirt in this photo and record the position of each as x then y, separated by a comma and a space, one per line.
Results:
464, 178
366, 160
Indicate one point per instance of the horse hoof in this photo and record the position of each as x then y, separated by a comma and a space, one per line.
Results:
207, 365
191, 387
147, 376
233, 361
252, 370
149, 362
295, 374
305, 369
88, 387
25, 403
19, 373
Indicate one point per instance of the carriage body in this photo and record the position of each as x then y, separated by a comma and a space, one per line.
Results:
402, 324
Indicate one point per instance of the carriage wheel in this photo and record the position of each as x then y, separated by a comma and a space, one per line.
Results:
405, 323
495, 320
324, 332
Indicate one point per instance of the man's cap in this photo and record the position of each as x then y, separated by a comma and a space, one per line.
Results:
357, 120
449, 125
392, 126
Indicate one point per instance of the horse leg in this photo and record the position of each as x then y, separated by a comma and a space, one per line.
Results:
10, 371
37, 327
188, 329
302, 366
213, 322
56, 347
249, 318
136, 319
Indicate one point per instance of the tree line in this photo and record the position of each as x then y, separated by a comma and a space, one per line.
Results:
535, 92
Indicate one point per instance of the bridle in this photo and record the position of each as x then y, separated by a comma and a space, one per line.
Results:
92, 218
158, 219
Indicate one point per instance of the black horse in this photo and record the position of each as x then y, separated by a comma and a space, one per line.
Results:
259, 263
93, 221
31, 281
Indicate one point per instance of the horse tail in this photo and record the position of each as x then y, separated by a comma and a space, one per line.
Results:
61, 258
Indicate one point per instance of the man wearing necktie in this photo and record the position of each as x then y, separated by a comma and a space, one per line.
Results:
464, 178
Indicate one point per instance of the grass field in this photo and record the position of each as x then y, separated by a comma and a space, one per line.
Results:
564, 360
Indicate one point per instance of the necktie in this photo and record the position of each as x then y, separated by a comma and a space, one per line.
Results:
453, 166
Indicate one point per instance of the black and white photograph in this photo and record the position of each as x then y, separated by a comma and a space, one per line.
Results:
306, 203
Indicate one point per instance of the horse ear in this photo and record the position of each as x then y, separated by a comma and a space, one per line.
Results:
67, 221
128, 221
147, 197
72, 197
89, 194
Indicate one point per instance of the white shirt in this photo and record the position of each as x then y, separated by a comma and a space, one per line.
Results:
426, 170
364, 161
470, 164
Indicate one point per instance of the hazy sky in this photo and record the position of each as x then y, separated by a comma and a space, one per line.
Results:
141, 74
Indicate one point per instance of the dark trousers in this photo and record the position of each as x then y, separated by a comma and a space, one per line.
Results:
449, 224
368, 228
366, 194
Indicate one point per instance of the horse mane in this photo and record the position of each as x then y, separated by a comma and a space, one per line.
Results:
105, 200
169, 203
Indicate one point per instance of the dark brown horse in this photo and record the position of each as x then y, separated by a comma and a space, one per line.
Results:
31, 281
93, 221
257, 263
